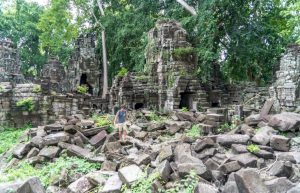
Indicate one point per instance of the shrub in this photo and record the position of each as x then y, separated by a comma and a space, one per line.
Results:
1, 88
104, 120
182, 53
186, 185
37, 89
253, 148
123, 72
49, 171
224, 128
184, 109
194, 132
9, 137
143, 184
26, 104
82, 89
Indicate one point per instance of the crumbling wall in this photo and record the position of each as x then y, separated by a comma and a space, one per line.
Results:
285, 90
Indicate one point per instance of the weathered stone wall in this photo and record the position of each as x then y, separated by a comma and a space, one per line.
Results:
47, 108
285, 90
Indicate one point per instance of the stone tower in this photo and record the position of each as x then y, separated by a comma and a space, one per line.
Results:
285, 90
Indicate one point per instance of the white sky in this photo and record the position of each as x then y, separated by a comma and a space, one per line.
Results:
41, 2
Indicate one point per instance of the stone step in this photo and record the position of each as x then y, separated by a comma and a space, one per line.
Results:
206, 129
216, 110
215, 117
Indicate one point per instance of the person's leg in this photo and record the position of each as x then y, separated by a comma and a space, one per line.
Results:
119, 126
124, 131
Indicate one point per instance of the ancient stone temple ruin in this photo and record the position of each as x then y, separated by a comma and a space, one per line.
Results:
84, 66
9, 62
169, 81
285, 90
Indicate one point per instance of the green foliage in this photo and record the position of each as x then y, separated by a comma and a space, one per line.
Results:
26, 104
184, 109
18, 21
171, 79
82, 89
194, 132
253, 148
182, 53
224, 128
37, 89
143, 184
186, 185
58, 29
1, 88
49, 171
154, 117
292, 29
123, 72
9, 137
104, 120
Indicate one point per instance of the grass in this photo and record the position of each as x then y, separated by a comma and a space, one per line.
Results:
49, 172
194, 132
9, 137
104, 120
253, 148
186, 185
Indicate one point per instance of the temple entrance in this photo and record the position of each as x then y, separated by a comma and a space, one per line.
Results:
186, 100
83, 81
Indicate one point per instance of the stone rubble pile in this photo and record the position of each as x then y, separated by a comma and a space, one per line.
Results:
259, 156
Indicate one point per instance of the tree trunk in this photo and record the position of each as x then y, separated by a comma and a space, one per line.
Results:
104, 55
187, 7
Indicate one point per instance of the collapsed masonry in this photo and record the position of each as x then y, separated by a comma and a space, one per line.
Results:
285, 90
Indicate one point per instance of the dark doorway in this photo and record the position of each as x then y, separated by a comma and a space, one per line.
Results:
138, 106
186, 100
215, 104
83, 81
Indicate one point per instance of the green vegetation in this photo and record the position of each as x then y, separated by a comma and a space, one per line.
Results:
224, 128
123, 72
104, 120
184, 109
143, 184
253, 148
49, 172
182, 53
1, 88
194, 132
171, 79
37, 89
9, 137
154, 117
82, 89
186, 185
26, 104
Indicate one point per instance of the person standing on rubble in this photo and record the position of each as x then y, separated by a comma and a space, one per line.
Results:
120, 122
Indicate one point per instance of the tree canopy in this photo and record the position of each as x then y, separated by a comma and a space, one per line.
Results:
243, 37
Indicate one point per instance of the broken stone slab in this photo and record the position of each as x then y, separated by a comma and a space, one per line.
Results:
253, 119
142, 159
130, 174
264, 154
198, 167
186, 116
135, 128
281, 169
98, 139
164, 170
279, 184
140, 134
245, 159
246, 130
266, 109
21, 150
72, 129
97, 178
82, 185
54, 139
202, 144
74, 150
49, 152
228, 140
263, 135
109, 166
85, 123
56, 189
112, 185
32, 185
33, 152
113, 146
165, 153
36, 160
294, 189
211, 164
53, 128
248, 180
153, 126
285, 121
238, 148
206, 153
205, 188
229, 167
93, 131
280, 143
37, 141
293, 157
10, 186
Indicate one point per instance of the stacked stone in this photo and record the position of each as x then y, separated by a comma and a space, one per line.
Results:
84, 66
9, 62
286, 88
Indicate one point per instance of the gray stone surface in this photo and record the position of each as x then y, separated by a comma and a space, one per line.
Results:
21, 150
81, 185
279, 185
112, 185
280, 143
49, 152
32, 185
228, 140
130, 174
263, 135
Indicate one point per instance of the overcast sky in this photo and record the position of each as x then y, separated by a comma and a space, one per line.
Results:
41, 2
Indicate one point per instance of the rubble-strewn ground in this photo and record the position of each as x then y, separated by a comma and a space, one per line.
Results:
178, 152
